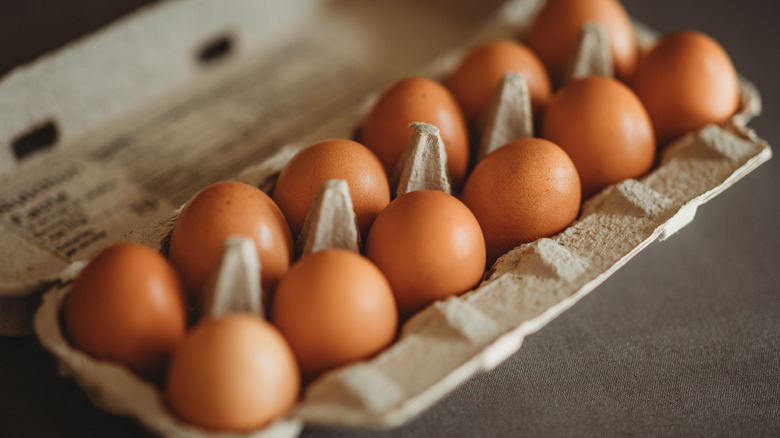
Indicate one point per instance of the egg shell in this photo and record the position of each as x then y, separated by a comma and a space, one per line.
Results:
524, 190
128, 305
686, 81
219, 211
475, 79
556, 30
235, 373
386, 129
604, 128
429, 246
310, 168
334, 307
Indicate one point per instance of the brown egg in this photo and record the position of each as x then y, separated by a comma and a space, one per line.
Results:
221, 210
604, 128
233, 373
332, 159
686, 82
334, 307
524, 190
555, 33
429, 245
386, 129
475, 79
128, 305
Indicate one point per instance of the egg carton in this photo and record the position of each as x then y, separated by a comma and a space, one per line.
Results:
524, 290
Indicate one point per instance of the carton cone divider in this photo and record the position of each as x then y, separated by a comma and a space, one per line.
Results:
235, 285
509, 116
331, 222
424, 164
593, 55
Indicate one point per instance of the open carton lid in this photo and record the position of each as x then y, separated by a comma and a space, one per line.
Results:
526, 288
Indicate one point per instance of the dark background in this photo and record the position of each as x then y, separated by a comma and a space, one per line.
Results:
684, 340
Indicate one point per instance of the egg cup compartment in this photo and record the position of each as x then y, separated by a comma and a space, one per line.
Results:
115, 389
525, 289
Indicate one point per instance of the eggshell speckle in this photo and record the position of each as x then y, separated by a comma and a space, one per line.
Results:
429, 245
128, 305
555, 33
233, 373
221, 210
334, 307
686, 81
604, 128
475, 79
303, 176
386, 129
524, 190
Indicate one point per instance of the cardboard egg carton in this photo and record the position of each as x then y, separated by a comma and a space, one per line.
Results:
524, 290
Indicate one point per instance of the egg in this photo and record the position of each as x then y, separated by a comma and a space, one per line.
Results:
604, 128
334, 307
303, 176
386, 129
524, 190
429, 246
555, 33
127, 305
221, 210
476, 77
232, 373
686, 81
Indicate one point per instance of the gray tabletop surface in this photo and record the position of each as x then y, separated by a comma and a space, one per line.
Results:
683, 341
